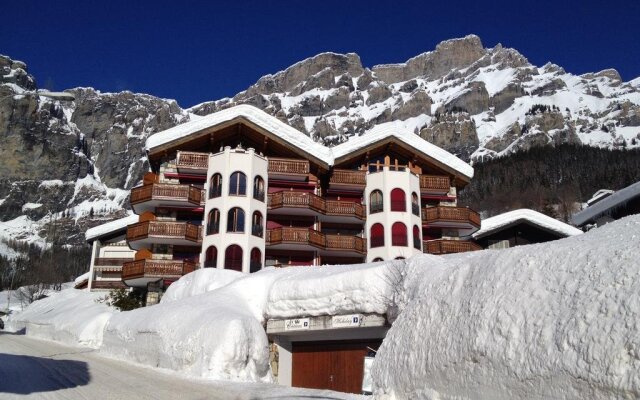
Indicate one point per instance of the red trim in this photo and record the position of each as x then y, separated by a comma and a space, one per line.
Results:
185, 176
438, 197
288, 184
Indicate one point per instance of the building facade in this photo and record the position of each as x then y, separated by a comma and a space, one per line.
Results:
241, 190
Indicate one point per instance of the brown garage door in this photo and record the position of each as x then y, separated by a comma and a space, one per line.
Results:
336, 365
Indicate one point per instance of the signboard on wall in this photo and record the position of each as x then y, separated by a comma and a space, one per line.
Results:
346, 321
296, 324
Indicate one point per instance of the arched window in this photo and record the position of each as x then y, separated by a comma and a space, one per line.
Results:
257, 227
215, 186
233, 258
415, 204
377, 259
377, 235
258, 188
416, 237
211, 257
235, 220
399, 234
375, 202
238, 184
213, 222
398, 200
255, 264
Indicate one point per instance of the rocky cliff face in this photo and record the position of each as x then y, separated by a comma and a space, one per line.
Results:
73, 162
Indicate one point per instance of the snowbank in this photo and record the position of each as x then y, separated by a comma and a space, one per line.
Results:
198, 282
331, 290
70, 316
555, 320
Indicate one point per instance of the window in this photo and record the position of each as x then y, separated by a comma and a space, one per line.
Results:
416, 237
256, 260
233, 258
258, 188
415, 204
398, 200
215, 186
377, 259
235, 220
238, 184
213, 222
375, 202
498, 244
257, 227
398, 234
377, 235
211, 257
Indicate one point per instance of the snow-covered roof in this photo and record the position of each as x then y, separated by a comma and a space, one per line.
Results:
252, 114
110, 227
379, 133
301, 141
616, 199
82, 278
532, 217
599, 195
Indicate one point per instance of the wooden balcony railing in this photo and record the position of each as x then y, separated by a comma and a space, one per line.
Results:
285, 166
291, 199
157, 268
348, 177
446, 246
316, 239
104, 284
167, 191
192, 160
434, 183
108, 262
432, 215
164, 229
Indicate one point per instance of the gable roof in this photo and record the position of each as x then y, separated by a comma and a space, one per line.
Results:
511, 218
110, 227
304, 143
386, 132
251, 114
612, 201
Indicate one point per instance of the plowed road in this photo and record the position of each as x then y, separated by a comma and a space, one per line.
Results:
31, 368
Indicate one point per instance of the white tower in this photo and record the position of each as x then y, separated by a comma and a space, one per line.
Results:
394, 226
235, 211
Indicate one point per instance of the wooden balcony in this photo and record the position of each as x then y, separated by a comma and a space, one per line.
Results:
191, 162
144, 234
447, 246
453, 217
310, 239
434, 184
139, 273
148, 197
288, 169
348, 179
107, 285
303, 203
109, 262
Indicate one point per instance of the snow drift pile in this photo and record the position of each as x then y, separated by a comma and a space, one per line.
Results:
70, 316
555, 320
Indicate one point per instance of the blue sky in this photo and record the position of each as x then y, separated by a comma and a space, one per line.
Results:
194, 51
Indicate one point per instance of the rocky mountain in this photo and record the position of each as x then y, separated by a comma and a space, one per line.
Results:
71, 163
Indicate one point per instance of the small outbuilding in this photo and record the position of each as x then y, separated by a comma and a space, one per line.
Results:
609, 207
521, 227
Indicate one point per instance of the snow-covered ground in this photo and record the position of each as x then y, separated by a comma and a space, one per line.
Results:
554, 320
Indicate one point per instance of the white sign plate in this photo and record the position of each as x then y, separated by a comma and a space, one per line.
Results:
346, 321
297, 324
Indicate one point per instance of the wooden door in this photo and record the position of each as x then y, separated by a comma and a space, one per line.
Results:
330, 365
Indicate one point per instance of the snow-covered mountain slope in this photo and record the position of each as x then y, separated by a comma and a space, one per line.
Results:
71, 163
